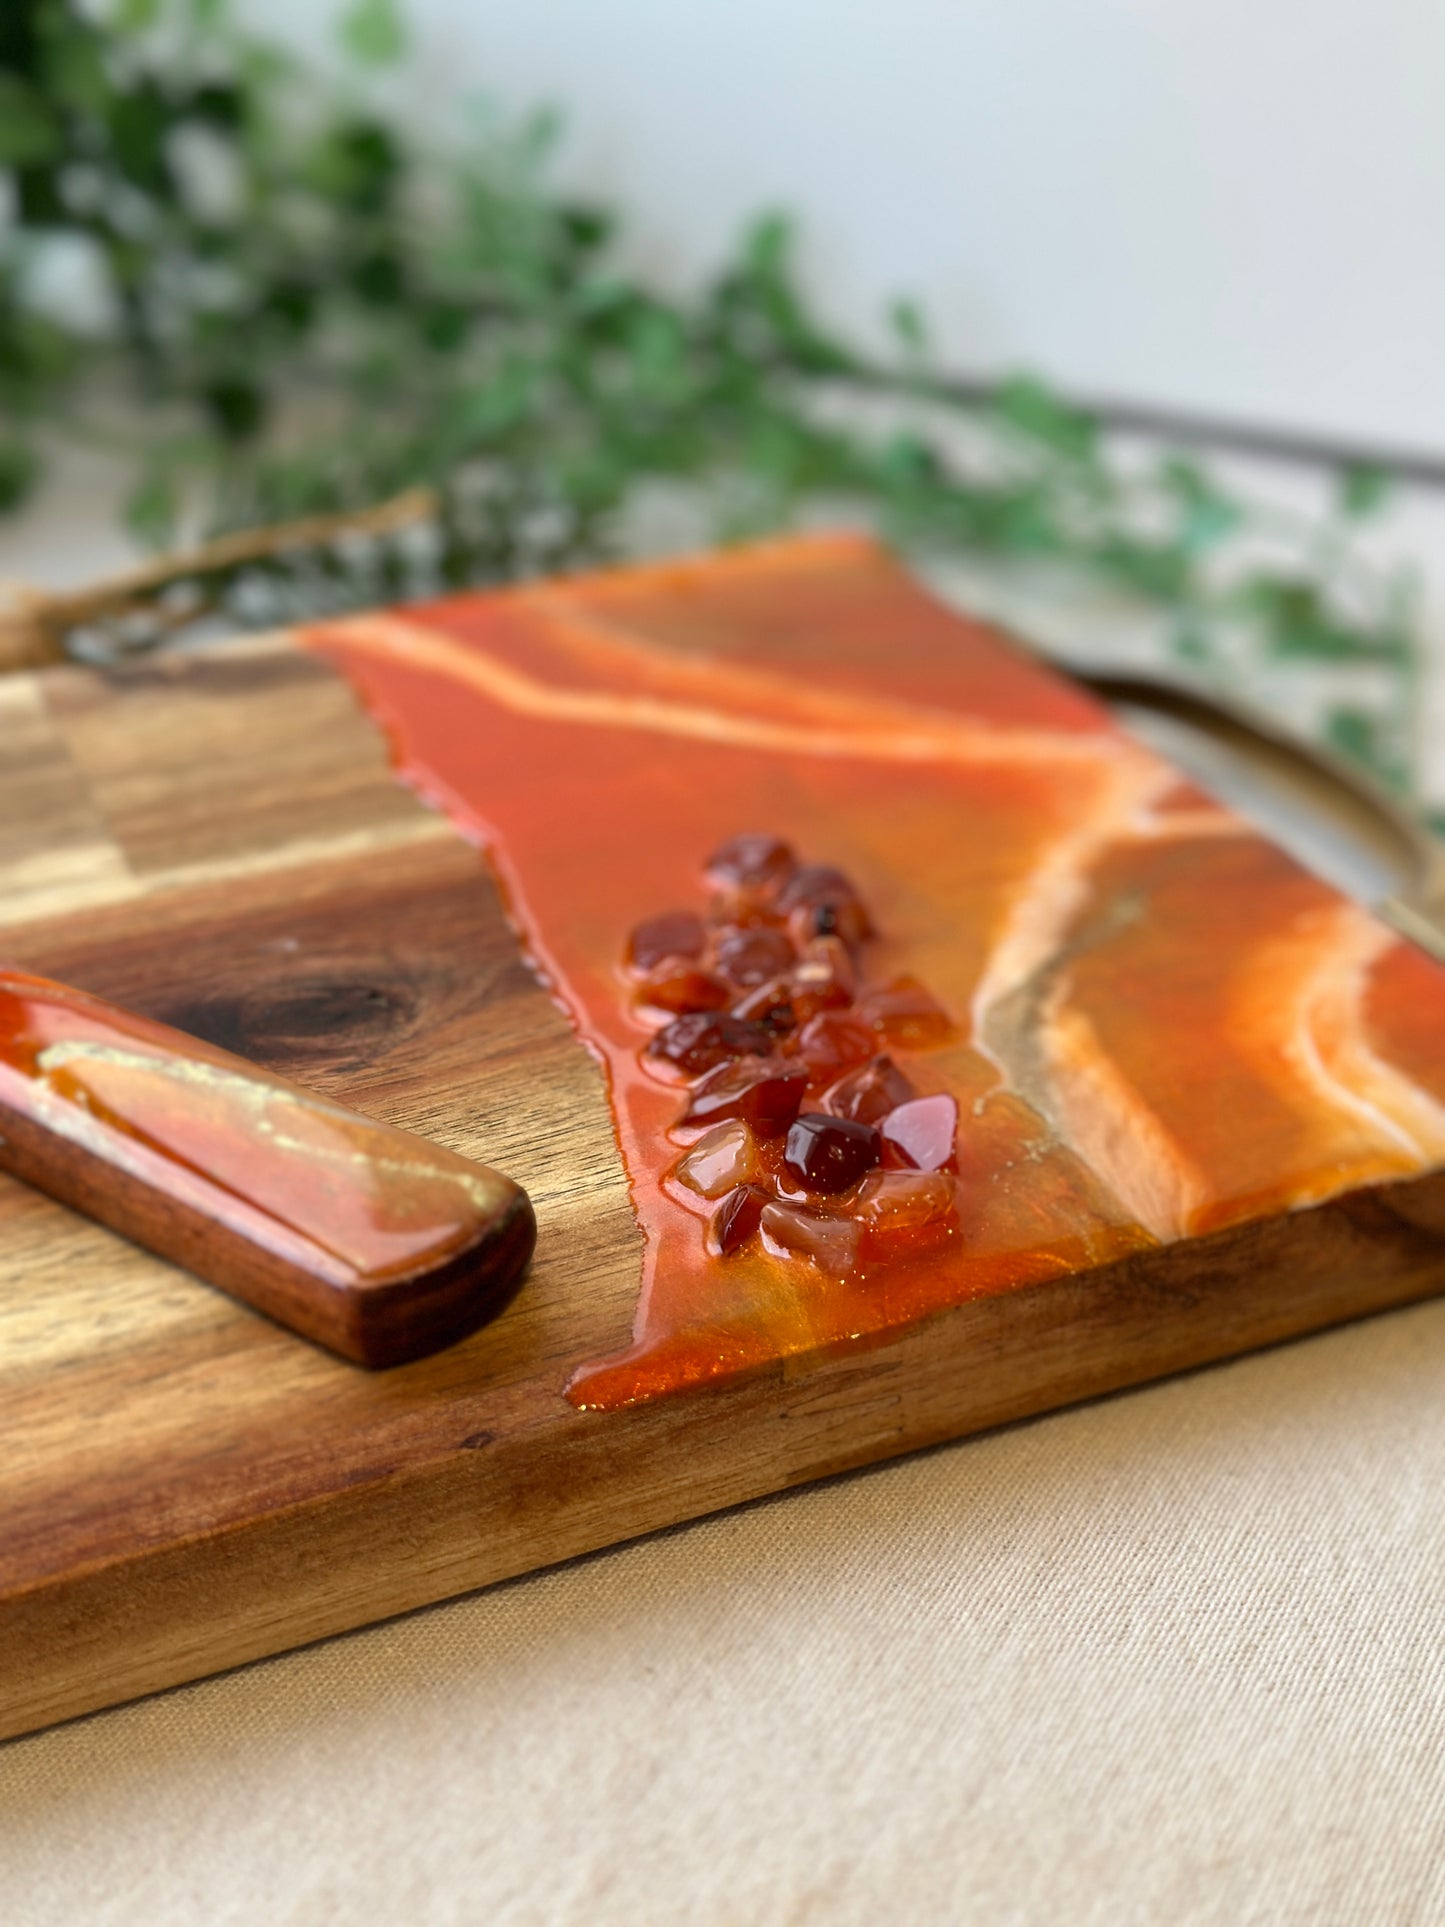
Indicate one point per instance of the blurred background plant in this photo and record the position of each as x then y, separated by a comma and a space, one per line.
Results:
258, 282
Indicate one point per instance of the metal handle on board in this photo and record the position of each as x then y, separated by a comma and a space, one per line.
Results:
1416, 907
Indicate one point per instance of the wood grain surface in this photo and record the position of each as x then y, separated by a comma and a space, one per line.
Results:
217, 842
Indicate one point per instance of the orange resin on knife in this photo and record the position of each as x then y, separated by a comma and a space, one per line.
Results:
1158, 1022
376, 1243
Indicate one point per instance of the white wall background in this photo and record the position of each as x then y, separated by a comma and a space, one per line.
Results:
1230, 205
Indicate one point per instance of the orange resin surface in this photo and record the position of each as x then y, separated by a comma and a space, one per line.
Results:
1162, 1026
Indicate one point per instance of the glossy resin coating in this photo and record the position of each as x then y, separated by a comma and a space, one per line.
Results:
1164, 1026
365, 1238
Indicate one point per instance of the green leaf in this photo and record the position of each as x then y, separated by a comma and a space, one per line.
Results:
444, 325
1191, 642
359, 163
236, 404
1297, 622
380, 278
134, 16
218, 104
75, 71
290, 302
906, 319
908, 462
1364, 489
1206, 516
373, 32
1360, 735
29, 131
140, 125
768, 245
1208, 522
1163, 571
152, 509
586, 228
1027, 405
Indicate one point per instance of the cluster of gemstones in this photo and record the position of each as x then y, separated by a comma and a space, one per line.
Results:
803, 1133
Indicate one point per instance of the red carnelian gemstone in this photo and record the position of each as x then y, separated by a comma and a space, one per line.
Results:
823, 980
679, 986
833, 955
770, 1005
751, 862
703, 1041
677, 934
907, 1015
922, 1134
724, 1158
764, 1091
904, 1214
905, 1200
736, 1219
829, 1153
750, 957
832, 1041
791, 1230
817, 883
871, 1092
743, 910
810, 920
821, 902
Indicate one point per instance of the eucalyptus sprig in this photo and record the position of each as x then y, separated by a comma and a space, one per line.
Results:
286, 305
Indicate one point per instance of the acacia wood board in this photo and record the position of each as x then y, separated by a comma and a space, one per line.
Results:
217, 841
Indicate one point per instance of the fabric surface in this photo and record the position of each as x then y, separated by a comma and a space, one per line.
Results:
1175, 1656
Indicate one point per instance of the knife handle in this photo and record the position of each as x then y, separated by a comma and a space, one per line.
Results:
372, 1242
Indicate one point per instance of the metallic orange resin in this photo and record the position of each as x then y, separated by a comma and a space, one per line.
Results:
1168, 1027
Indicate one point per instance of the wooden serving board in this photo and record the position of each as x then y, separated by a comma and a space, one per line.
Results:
218, 842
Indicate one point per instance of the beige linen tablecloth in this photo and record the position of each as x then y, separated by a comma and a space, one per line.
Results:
1172, 1657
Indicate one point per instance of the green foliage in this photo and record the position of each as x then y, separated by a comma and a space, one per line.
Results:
1356, 733
1364, 490
311, 307
372, 32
